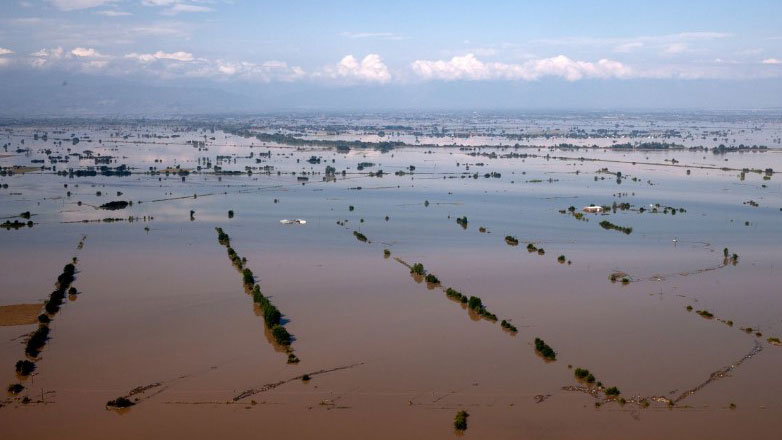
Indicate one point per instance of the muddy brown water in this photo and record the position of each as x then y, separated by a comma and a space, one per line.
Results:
164, 305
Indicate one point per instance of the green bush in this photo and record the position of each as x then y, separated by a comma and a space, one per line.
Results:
24, 367
120, 402
360, 236
544, 350
460, 421
281, 336
613, 391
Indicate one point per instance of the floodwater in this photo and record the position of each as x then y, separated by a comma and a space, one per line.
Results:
160, 304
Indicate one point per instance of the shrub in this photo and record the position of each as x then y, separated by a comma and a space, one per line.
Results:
454, 294
271, 315
460, 421
36, 341
508, 326
561, 258
15, 388
360, 236
120, 402
25, 367
613, 391
511, 240
544, 349
605, 224
386, 252
430, 278
247, 277
281, 336
417, 269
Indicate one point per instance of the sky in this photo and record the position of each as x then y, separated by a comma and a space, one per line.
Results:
299, 54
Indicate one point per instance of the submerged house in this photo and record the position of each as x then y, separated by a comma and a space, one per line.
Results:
593, 208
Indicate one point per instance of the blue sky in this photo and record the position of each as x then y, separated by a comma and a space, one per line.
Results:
235, 44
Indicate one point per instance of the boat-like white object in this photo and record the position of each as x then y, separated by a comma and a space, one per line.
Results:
299, 221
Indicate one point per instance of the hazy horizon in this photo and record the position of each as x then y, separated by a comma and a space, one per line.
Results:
98, 57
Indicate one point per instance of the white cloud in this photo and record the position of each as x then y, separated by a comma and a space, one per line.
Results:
468, 67
628, 47
72, 5
376, 35
772, 61
4, 51
85, 52
43, 56
184, 7
675, 49
370, 69
266, 72
160, 55
113, 13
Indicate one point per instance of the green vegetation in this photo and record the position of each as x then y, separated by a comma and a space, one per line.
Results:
455, 294
544, 350
705, 313
271, 314
360, 236
16, 224
418, 269
613, 391
511, 240
462, 221
430, 278
115, 205
774, 341
476, 305
460, 421
120, 402
531, 248
248, 278
281, 336
24, 367
584, 375
15, 388
561, 259
508, 326
605, 224
386, 253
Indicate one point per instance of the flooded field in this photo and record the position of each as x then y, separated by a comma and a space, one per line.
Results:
445, 263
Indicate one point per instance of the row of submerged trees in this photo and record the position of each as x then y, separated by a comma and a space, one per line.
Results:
272, 316
38, 339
